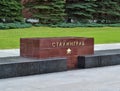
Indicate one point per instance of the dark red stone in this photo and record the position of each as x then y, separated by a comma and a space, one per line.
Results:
57, 47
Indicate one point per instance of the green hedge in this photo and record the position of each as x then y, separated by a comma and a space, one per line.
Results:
39, 25
114, 25
62, 25
72, 25
14, 25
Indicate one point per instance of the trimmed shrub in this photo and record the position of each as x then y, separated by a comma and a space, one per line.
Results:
94, 25
39, 25
72, 25
3, 26
114, 25
14, 25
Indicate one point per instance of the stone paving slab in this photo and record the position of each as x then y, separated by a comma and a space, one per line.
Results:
9, 53
95, 79
107, 46
100, 58
19, 66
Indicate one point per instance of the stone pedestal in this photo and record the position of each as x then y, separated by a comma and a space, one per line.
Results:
20, 66
100, 59
69, 47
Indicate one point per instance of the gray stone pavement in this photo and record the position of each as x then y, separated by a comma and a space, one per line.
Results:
94, 79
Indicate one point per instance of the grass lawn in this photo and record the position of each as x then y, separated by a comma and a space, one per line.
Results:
10, 38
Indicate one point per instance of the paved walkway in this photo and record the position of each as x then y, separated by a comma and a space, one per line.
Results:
94, 79
15, 52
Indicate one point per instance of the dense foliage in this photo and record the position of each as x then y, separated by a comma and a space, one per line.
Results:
47, 11
14, 25
100, 11
61, 13
107, 11
10, 10
84, 11
80, 10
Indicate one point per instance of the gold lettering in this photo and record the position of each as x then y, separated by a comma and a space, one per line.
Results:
76, 43
53, 44
83, 43
63, 44
60, 44
80, 43
71, 44
67, 44
57, 44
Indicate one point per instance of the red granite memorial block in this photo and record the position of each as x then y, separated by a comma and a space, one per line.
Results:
69, 47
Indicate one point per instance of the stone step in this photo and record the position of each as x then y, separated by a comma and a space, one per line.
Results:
99, 59
19, 66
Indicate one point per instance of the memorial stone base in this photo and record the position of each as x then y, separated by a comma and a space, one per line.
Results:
63, 47
19, 66
100, 59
